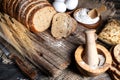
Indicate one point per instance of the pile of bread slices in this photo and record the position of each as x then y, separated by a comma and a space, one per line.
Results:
39, 15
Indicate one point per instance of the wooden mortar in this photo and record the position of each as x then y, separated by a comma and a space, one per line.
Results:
87, 57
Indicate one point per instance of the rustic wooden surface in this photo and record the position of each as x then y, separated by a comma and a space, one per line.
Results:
71, 73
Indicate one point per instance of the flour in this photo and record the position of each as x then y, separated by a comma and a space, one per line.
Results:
82, 17
100, 64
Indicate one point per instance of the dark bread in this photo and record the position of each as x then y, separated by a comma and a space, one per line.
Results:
26, 12
8, 6
62, 25
44, 16
11, 5
19, 6
24, 5
15, 6
4, 4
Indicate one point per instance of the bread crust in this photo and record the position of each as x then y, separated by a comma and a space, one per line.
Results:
31, 18
8, 6
24, 15
5, 5
15, 7
11, 5
23, 7
18, 7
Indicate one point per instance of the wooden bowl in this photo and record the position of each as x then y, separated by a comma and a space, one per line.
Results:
85, 68
90, 26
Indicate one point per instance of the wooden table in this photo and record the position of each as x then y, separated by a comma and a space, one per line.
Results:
11, 71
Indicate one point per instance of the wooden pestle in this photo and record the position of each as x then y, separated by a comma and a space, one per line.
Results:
96, 12
91, 50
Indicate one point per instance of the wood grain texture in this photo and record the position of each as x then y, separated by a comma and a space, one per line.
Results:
48, 42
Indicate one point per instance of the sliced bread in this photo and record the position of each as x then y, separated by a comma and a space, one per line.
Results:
28, 9
22, 5
40, 18
62, 25
15, 6
36, 15
25, 5
116, 53
11, 5
19, 6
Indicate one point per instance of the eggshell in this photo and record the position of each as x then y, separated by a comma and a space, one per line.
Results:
59, 0
59, 6
71, 4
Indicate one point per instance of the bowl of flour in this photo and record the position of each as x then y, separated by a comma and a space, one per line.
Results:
81, 15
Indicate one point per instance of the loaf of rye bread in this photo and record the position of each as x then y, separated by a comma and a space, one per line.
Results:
62, 25
25, 12
36, 15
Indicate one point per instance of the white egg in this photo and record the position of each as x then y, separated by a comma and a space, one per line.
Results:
59, 6
71, 4
59, 0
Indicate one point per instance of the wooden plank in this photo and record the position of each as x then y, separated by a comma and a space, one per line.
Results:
16, 34
41, 49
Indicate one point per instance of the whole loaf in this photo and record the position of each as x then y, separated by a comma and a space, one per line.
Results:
36, 15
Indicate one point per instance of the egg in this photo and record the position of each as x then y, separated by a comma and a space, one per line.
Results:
59, 6
59, 0
71, 4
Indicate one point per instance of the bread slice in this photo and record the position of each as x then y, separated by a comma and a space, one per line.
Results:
8, 6
40, 18
19, 5
62, 25
11, 5
15, 6
27, 10
24, 6
4, 4
116, 53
